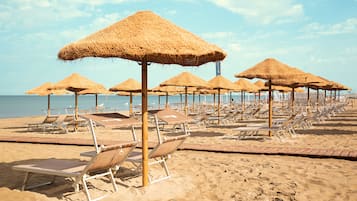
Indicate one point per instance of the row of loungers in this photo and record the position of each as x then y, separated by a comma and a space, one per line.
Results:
106, 160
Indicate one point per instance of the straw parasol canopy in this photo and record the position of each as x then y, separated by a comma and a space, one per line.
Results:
76, 83
186, 79
245, 85
46, 89
270, 69
130, 85
145, 37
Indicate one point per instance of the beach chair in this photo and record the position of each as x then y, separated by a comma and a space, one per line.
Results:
42, 125
158, 155
81, 172
112, 120
167, 116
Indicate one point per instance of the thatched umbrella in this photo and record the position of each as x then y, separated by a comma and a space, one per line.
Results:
100, 89
270, 69
167, 90
217, 83
145, 37
185, 79
46, 89
245, 86
76, 83
130, 85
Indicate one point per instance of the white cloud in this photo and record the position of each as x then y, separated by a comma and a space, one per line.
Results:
315, 29
264, 12
34, 13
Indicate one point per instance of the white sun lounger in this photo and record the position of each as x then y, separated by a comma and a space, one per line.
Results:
100, 165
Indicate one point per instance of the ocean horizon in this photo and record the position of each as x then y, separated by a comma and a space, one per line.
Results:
33, 105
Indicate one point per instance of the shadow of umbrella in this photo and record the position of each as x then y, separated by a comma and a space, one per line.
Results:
145, 37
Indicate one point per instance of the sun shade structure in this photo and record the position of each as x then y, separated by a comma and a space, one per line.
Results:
186, 79
168, 90
245, 86
270, 69
219, 82
145, 37
100, 89
130, 85
76, 83
47, 89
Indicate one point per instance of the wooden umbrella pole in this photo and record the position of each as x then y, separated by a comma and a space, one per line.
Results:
292, 100
219, 103
167, 100
144, 110
131, 104
317, 99
48, 105
75, 105
193, 102
242, 105
96, 102
270, 109
186, 102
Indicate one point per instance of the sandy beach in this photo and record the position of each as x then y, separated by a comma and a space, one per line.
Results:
199, 175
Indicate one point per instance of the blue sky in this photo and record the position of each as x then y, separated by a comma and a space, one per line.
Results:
317, 36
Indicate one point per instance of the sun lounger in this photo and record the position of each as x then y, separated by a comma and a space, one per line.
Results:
158, 155
81, 171
168, 116
42, 125
112, 120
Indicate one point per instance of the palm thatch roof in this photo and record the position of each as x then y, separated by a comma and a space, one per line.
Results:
245, 85
45, 89
129, 85
270, 69
220, 82
100, 89
145, 36
185, 79
76, 83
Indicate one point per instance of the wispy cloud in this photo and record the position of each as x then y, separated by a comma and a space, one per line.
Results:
264, 12
315, 29
35, 13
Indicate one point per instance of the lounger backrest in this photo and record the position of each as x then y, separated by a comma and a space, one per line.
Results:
50, 119
168, 146
110, 156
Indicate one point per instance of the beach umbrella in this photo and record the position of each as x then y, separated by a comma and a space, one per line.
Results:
245, 86
100, 89
145, 37
76, 83
270, 69
167, 90
186, 79
46, 89
219, 82
130, 85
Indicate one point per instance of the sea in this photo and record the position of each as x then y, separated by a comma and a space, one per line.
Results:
33, 105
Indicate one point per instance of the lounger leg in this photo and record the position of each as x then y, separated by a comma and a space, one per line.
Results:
27, 177
85, 188
113, 180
